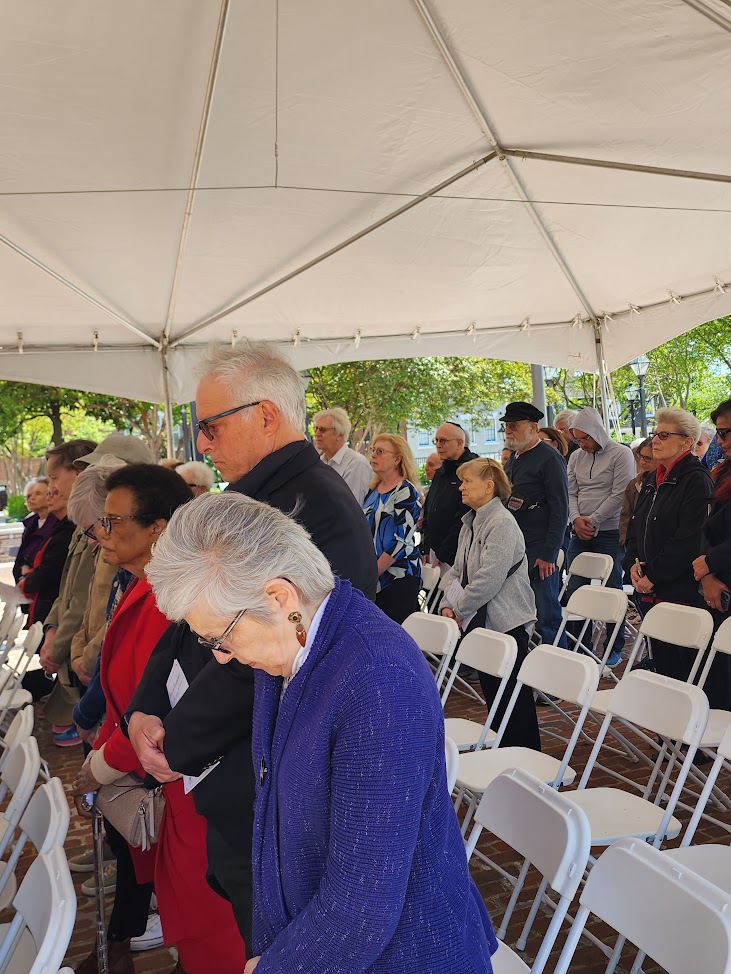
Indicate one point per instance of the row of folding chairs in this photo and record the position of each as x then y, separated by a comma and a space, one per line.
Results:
36, 939
672, 906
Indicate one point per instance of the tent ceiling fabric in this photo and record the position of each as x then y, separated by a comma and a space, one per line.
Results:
325, 118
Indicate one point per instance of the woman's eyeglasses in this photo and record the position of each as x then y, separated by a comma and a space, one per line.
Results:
204, 424
216, 645
664, 434
722, 433
107, 522
645, 459
378, 452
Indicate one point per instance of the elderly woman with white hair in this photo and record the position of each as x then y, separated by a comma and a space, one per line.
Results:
664, 533
369, 872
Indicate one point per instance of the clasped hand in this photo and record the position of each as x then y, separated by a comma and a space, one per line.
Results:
146, 734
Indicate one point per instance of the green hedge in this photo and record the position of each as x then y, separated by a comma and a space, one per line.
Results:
16, 507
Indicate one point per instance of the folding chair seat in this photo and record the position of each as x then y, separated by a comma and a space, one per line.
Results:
36, 940
550, 833
551, 670
17, 778
436, 637
670, 708
671, 914
45, 822
488, 652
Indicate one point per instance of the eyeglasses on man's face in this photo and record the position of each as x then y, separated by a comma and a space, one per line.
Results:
324, 429
441, 440
204, 425
216, 645
89, 532
722, 432
664, 434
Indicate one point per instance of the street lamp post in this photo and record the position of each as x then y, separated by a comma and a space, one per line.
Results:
632, 403
640, 366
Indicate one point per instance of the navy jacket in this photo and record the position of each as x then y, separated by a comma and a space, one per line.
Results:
540, 500
359, 864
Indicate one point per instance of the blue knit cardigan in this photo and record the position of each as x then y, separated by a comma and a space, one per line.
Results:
359, 865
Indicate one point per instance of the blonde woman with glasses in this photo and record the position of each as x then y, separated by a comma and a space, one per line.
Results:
392, 509
489, 586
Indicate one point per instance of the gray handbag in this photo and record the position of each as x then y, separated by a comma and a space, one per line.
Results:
134, 811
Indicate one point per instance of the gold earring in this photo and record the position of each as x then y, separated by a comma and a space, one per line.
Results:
301, 632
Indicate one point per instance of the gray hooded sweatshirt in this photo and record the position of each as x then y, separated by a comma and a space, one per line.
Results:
597, 481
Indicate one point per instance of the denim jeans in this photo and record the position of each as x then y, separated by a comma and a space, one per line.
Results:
603, 543
548, 608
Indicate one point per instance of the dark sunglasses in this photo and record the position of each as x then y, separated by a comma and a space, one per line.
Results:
216, 645
204, 424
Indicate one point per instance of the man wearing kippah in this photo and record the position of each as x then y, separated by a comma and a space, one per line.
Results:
443, 509
540, 504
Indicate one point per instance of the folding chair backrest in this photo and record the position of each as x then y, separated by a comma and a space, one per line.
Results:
667, 707
451, 755
540, 823
722, 639
488, 651
10, 613
589, 564
597, 603
430, 576
46, 905
33, 640
561, 673
437, 635
677, 918
21, 728
682, 625
18, 776
46, 819
14, 631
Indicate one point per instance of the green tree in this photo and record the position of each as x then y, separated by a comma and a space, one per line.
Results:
388, 394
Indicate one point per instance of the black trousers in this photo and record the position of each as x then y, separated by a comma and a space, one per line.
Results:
522, 729
401, 598
131, 899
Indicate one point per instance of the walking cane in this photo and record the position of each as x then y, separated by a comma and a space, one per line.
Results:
101, 924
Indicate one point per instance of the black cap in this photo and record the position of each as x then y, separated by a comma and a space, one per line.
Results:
515, 411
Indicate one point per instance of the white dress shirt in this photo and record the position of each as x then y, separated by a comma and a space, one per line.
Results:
353, 468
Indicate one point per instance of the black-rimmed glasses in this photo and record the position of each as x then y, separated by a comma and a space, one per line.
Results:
204, 424
722, 432
107, 522
216, 645
89, 532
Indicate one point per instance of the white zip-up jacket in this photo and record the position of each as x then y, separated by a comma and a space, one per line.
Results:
597, 481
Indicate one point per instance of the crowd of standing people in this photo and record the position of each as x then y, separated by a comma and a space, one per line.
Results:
243, 652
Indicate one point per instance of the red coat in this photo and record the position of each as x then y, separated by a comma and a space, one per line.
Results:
136, 627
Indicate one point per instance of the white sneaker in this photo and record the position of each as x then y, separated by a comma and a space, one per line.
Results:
151, 938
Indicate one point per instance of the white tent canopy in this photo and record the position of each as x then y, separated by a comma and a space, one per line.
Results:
524, 181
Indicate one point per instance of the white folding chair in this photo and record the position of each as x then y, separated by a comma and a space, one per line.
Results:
10, 614
552, 834
45, 822
488, 652
436, 637
11, 639
17, 778
593, 568
451, 757
674, 916
20, 729
670, 708
719, 721
594, 606
552, 670
12, 695
38, 937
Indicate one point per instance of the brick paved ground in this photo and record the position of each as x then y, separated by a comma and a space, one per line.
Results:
64, 762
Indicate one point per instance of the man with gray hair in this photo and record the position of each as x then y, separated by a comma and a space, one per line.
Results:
332, 429
564, 422
197, 475
251, 406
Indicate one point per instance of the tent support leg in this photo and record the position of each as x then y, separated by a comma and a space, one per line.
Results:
169, 440
602, 374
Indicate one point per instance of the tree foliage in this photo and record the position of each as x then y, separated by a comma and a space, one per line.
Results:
388, 394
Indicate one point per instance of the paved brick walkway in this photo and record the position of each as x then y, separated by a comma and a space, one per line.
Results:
495, 890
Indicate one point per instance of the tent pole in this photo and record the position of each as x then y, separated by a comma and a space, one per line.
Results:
538, 381
599, 345
169, 440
